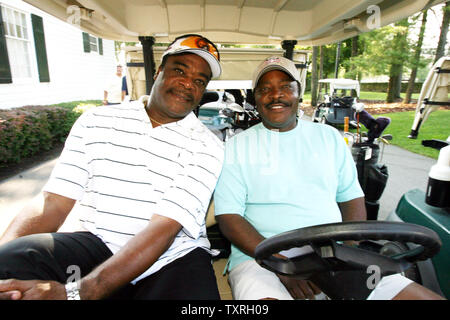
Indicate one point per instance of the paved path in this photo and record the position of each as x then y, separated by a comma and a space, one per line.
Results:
17, 191
406, 171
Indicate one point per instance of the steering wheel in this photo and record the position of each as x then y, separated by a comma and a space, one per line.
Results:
330, 256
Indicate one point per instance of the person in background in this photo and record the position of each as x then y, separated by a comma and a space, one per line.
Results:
116, 88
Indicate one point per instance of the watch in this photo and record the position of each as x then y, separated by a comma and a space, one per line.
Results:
72, 291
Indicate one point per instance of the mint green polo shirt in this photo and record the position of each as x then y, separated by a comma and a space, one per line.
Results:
280, 181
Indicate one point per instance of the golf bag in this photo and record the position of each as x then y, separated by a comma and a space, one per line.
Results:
372, 175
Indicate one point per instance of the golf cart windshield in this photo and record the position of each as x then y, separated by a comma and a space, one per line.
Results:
340, 84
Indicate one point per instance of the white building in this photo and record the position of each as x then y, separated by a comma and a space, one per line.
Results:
44, 60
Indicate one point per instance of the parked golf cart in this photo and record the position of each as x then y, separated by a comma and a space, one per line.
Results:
336, 98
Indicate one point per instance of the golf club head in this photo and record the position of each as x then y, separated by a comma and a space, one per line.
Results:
359, 106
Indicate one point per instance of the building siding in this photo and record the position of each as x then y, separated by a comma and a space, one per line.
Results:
74, 74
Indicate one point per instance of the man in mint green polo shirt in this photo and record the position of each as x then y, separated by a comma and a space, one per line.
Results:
280, 175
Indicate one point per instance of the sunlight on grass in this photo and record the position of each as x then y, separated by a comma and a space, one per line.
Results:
82, 107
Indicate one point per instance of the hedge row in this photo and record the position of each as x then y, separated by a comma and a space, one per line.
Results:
28, 130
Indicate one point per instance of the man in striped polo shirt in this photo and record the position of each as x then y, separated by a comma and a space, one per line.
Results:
140, 178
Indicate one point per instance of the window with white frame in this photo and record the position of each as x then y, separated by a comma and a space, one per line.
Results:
17, 36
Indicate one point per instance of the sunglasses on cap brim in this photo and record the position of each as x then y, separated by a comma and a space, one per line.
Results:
196, 41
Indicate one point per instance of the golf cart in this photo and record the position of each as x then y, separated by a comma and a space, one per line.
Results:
337, 98
233, 22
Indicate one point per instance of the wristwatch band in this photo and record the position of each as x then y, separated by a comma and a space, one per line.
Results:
72, 291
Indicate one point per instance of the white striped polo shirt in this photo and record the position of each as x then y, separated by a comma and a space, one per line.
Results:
121, 171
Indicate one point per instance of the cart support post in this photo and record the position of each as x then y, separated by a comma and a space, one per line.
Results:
149, 61
288, 46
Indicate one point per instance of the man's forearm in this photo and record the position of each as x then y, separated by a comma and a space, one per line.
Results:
45, 213
132, 260
353, 210
240, 232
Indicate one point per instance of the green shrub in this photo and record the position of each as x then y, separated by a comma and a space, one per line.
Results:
28, 130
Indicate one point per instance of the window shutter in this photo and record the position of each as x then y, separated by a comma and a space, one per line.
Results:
5, 69
86, 42
41, 50
100, 46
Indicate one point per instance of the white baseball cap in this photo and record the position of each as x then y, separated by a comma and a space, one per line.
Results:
200, 46
276, 63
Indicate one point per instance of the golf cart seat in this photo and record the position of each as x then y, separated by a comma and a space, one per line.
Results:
345, 102
340, 107
215, 236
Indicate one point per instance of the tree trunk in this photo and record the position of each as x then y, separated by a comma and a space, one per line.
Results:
412, 77
322, 56
395, 71
314, 78
338, 56
354, 54
395, 75
440, 51
355, 46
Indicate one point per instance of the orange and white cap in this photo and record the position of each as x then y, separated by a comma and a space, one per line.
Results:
200, 46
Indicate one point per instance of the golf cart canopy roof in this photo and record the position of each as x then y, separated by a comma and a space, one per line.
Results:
310, 22
347, 84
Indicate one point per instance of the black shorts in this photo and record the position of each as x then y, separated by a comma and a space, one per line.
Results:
58, 256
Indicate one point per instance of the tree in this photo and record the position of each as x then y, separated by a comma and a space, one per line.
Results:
351, 68
397, 58
416, 59
385, 50
440, 51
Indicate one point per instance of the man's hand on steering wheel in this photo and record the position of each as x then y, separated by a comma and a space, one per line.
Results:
300, 289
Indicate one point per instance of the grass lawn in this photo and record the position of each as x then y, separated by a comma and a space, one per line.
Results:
437, 126
79, 104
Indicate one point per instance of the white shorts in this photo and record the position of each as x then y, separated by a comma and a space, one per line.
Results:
389, 287
250, 281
